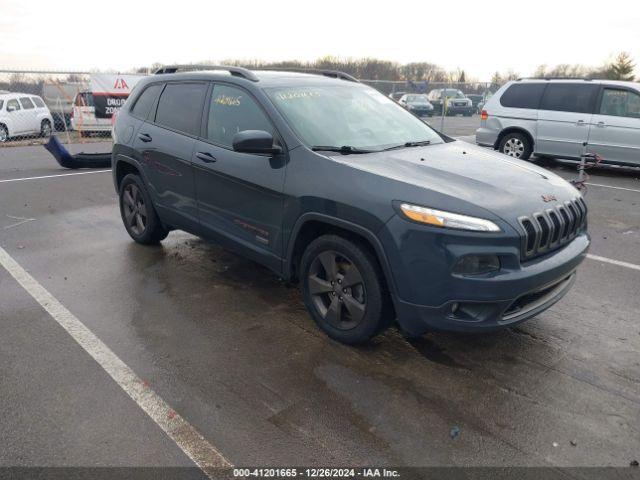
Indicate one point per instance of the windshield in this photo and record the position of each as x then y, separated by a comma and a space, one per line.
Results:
455, 94
417, 98
352, 115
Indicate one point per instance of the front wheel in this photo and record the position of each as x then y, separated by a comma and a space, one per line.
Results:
4, 134
138, 215
344, 289
516, 145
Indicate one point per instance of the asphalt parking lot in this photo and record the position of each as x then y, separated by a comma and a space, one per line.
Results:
231, 350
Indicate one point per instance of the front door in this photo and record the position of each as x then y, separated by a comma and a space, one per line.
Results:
615, 128
564, 118
165, 145
240, 195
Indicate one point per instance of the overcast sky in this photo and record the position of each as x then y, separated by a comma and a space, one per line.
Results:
477, 36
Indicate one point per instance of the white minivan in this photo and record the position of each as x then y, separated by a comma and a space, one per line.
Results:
22, 114
556, 118
83, 116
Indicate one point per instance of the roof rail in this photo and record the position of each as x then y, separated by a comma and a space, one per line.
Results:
556, 78
327, 73
235, 71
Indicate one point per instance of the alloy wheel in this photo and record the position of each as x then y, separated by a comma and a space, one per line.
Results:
46, 129
337, 290
3, 135
135, 211
514, 147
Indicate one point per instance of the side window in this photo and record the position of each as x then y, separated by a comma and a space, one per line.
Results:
1, 104
38, 101
27, 104
180, 107
569, 97
233, 110
620, 103
145, 101
523, 95
13, 105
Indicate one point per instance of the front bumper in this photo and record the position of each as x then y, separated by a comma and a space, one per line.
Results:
422, 112
428, 296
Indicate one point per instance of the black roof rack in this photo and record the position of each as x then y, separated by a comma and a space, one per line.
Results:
556, 78
235, 71
327, 73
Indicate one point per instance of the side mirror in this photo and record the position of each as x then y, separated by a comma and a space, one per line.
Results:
255, 141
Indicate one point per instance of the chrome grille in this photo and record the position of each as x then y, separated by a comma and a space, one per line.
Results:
551, 228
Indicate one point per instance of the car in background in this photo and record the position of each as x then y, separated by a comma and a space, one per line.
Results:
555, 118
83, 116
60, 97
476, 100
417, 103
23, 114
396, 95
456, 102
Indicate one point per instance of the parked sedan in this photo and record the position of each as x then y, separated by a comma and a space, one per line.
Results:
417, 104
476, 101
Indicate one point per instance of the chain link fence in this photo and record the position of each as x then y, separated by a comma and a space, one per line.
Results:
37, 104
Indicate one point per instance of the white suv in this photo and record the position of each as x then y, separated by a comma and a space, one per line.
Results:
22, 114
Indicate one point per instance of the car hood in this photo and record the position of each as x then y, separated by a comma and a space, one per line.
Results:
420, 104
459, 173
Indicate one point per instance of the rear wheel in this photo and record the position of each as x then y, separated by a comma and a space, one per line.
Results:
516, 145
4, 134
45, 129
344, 289
138, 215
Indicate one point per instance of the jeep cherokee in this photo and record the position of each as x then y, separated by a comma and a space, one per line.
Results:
331, 184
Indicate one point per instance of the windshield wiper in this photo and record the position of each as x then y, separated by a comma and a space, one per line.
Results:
345, 149
409, 144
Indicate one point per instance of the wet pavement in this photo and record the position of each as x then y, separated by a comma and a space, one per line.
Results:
230, 347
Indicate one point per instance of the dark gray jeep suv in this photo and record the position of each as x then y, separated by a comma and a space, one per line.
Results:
329, 183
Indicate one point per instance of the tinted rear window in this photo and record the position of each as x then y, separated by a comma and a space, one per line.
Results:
569, 97
1, 104
39, 103
145, 101
523, 95
180, 107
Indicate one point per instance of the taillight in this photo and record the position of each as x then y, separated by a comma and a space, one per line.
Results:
484, 115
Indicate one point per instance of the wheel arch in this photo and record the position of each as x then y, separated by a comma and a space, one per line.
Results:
122, 168
311, 225
509, 130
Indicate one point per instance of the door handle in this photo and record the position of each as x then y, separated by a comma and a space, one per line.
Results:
206, 157
145, 137
580, 123
601, 124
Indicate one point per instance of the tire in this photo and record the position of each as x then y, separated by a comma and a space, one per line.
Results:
45, 129
4, 134
138, 215
516, 145
344, 290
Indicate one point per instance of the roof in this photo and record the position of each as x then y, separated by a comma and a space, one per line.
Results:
5, 93
262, 78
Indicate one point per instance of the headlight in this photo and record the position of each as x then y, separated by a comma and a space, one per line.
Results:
440, 218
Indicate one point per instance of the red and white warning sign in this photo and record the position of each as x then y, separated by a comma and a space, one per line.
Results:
110, 91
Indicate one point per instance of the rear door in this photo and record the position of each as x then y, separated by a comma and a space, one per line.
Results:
30, 115
615, 127
564, 118
164, 146
240, 195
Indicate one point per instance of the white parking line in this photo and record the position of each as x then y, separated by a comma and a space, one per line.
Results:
52, 176
619, 263
194, 445
611, 186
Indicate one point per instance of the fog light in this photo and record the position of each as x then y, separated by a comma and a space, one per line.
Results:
477, 264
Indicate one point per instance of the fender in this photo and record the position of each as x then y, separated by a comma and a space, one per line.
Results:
346, 225
122, 158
